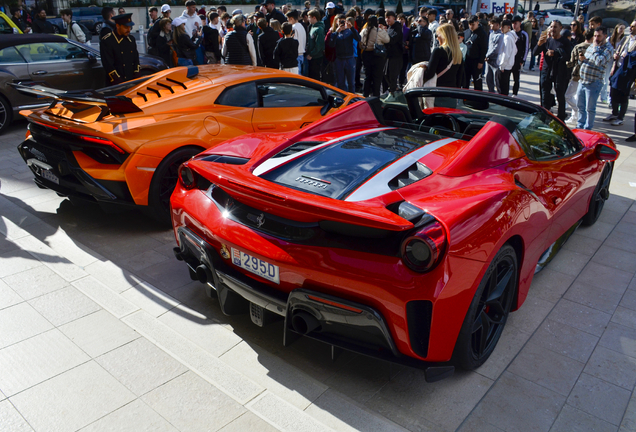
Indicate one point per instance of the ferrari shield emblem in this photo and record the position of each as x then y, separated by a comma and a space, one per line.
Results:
225, 253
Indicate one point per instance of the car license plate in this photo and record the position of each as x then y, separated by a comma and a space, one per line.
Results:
50, 176
252, 264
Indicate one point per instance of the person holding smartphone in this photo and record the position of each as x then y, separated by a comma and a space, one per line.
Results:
342, 40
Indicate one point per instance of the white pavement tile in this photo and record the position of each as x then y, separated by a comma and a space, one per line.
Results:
16, 261
208, 334
72, 400
105, 297
115, 278
276, 375
224, 377
343, 414
35, 282
202, 407
11, 420
8, 228
248, 422
58, 240
141, 366
51, 259
284, 416
99, 333
37, 359
8, 297
150, 299
20, 322
133, 417
64, 305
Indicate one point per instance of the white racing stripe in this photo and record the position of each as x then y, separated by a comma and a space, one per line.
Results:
272, 163
379, 183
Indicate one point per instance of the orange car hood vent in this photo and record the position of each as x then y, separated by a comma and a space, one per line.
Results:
163, 84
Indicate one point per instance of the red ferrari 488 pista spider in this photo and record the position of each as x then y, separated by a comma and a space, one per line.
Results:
399, 232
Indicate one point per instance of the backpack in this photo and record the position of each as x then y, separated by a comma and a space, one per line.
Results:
87, 33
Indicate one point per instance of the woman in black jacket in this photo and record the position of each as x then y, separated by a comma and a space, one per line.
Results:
163, 42
186, 45
446, 62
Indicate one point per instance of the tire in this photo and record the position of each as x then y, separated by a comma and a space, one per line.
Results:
164, 181
490, 307
56, 30
6, 114
98, 28
600, 195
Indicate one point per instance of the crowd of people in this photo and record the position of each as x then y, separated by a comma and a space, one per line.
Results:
579, 63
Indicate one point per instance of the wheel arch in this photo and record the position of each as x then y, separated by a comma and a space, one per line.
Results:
141, 169
516, 241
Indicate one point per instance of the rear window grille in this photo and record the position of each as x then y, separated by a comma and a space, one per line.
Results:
414, 173
297, 148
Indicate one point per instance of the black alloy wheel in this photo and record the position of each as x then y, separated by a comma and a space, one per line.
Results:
98, 28
601, 194
488, 312
6, 114
164, 181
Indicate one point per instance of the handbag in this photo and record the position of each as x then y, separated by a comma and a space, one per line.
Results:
378, 50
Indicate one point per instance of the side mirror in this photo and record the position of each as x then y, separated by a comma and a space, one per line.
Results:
332, 102
606, 153
92, 59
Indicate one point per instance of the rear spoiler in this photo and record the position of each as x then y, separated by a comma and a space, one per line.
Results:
108, 104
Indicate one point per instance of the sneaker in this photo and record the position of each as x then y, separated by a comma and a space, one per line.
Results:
609, 118
571, 121
617, 122
631, 138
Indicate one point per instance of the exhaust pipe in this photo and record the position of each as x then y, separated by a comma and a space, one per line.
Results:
204, 274
304, 323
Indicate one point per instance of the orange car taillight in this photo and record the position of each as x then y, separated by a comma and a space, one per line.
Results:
187, 177
422, 251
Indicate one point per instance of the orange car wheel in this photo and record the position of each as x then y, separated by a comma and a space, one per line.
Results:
164, 181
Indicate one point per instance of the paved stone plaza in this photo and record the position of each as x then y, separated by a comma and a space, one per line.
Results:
102, 329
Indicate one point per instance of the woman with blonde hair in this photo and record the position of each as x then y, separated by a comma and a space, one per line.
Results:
446, 60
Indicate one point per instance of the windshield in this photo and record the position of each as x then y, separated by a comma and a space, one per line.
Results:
462, 115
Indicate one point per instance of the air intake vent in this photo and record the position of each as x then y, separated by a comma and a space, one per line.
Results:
296, 148
414, 173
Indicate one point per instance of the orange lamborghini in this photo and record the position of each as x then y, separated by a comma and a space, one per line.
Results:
124, 144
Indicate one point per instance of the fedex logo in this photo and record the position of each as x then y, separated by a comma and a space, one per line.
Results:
505, 9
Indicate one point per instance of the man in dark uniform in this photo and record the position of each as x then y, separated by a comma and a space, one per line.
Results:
119, 52
476, 40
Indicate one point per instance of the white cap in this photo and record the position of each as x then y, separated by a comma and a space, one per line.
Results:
178, 21
237, 12
330, 5
165, 8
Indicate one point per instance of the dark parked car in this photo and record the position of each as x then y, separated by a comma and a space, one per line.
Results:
91, 17
54, 62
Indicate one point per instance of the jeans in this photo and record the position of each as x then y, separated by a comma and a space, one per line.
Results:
184, 62
315, 66
605, 88
532, 58
503, 79
570, 98
587, 96
345, 73
491, 78
373, 69
300, 60
620, 101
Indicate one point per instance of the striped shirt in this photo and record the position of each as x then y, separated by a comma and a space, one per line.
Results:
595, 63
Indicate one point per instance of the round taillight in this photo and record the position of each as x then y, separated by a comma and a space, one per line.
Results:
186, 177
422, 251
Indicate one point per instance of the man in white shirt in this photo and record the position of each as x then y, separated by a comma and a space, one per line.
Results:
192, 20
507, 56
300, 35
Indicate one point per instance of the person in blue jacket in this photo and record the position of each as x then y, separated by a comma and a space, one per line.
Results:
342, 39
